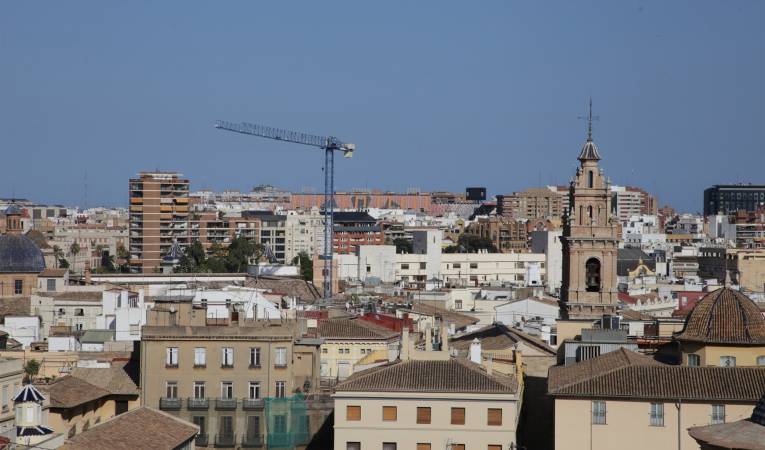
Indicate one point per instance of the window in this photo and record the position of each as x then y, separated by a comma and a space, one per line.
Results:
5, 398
253, 427
200, 357
18, 286
389, 446
280, 389
494, 417
458, 304
389, 413
404, 266
718, 414
727, 361
456, 266
598, 412
592, 267
458, 416
133, 301
280, 357
171, 357
353, 446
494, 447
135, 329
200, 422
423, 415
227, 357
226, 427
199, 389
324, 350
253, 390
171, 389
423, 266
226, 389
657, 414
50, 284
423, 446
761, 360
694, 360
473, 265
458, 447
589, 178
353, 413
254, 356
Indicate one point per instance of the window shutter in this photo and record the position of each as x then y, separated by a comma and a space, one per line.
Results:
389, 413
494, 416
458, 416
458, 446
423, 415
423, 446
353, 413
495, 447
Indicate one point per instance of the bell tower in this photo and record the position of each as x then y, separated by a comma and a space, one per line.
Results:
590, 240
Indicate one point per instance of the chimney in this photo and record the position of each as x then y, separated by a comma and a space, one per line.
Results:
488, 365
475, 351
404, 353
518, 357
428, 339
444, 339
87, 272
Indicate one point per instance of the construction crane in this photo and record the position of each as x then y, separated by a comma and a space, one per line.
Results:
330, 145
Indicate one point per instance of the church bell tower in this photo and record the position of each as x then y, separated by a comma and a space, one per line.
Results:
590, 240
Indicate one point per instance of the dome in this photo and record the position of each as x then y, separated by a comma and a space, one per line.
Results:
13, 209
19, 254
589, 152
725, 316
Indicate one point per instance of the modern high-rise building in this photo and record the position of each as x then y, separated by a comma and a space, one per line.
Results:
729, 198
159, 216
535, 203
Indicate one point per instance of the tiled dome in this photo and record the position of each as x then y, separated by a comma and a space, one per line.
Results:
589, 152
19, 254
725, 316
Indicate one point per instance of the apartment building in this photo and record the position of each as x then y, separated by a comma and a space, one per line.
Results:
345, 342
305, 233
507, 235
11, 378
241, 384
730, 198
631, 201
418, 201
215, 227
427, 401
535, 203
353, 229
604, 402
159, 216
93, 241
78, 310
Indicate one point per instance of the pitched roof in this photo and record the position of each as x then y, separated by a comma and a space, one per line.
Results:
113, 379
589, 151
747, 434
499, 337
69, 391
15, 306
144, 428
627, 374
97, 336
353, 329
725, 316
292, 287
78, 296
52, 273
450, 376
28, 394
458, 319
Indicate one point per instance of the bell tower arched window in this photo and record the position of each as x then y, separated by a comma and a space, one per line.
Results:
592, 267
590, 177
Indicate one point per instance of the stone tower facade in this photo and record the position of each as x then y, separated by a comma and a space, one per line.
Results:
590, 242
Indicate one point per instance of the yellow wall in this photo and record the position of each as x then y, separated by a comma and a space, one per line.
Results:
628, 424
330, 353
371, 431
710, 354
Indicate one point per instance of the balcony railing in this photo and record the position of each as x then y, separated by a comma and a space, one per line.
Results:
225, 403
170, 404
252, 441
202, 440
253, 403
197, 403
225, 440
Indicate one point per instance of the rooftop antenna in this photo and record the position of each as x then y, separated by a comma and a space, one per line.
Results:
589, 118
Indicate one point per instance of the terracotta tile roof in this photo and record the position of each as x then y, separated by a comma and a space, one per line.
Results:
52, 273
69, 391
748, 434
353, 329
292, 287
15, 306
458, 319
78, 296
450, 376
627, 374
144, 428
631, 314
499, 337
113, 379
724, 316
244, 332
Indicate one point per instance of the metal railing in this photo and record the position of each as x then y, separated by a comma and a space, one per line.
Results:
197, 403
253, 403
225, 440
225, 403
170, 404
252, 441
201, 440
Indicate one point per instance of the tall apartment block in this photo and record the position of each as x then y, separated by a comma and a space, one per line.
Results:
159, 216
730, 198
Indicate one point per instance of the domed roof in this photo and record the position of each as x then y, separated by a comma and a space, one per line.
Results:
13, 209
589, 152
725, 316
19, 254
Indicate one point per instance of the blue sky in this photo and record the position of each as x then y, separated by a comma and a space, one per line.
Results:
437, 95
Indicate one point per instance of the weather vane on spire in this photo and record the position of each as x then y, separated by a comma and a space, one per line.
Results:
589, 119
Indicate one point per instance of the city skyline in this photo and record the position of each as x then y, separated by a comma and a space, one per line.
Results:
500, 86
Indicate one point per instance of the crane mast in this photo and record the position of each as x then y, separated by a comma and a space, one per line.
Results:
329, 144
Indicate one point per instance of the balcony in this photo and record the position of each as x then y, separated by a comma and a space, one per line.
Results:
225, 404
252, 441
169, 404
202, 440
197, 403
250, 404
225, 440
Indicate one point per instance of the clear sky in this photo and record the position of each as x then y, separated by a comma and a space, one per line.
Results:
435, 94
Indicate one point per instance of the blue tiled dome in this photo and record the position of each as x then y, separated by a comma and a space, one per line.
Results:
19, 254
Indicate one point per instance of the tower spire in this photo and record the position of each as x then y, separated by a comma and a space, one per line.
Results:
589, 122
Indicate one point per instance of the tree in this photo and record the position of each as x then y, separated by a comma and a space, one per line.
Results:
240, 250
403, 245
58, 254
32, 368
63, 263
193, 260
469, 243
74, 249
123, 259
306, 265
